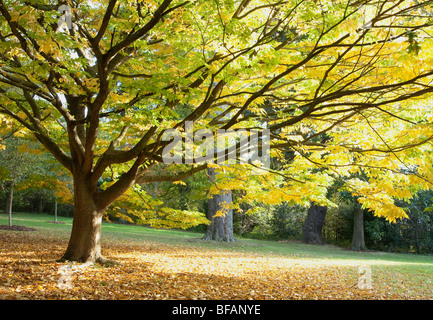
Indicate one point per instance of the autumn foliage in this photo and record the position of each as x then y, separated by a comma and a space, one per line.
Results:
343, 87
189, 270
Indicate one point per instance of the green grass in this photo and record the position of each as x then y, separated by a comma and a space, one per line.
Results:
132, 233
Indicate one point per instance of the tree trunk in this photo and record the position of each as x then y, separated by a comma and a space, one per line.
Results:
358, 242
312, 229
221, 227
85, 240
41, 204
10, 201
55, 211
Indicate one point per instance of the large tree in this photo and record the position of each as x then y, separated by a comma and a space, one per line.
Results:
220, 214
100, 91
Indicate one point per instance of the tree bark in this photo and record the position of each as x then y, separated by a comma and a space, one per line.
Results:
10, 201
312, 229
55, 211
221, 227
358, 241
85, 240
41, 204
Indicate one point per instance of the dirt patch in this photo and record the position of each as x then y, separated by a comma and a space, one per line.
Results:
58, 222
16, 228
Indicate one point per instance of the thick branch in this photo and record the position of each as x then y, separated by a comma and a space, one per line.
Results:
174, 177
105, 22
159, 13
112, 156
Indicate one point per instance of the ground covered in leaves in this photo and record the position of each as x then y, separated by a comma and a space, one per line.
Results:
16, 228
151, 270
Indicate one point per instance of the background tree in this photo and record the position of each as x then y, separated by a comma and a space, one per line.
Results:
312, 228
417, 230
35, 174
358, 240
287, 221
100, 94
220, 213
16, 166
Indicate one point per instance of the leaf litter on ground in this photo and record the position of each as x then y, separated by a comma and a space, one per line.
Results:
150, 270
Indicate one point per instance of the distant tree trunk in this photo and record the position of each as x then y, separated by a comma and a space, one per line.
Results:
55, 211
417, 244
41, 204
221, 227
358, 242
10, 201
312, 229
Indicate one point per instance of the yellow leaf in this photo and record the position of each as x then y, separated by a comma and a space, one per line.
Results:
15, 16
179, 182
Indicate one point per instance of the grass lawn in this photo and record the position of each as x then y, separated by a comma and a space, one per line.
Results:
172, 264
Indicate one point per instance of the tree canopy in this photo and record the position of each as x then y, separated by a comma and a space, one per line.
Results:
342, 86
